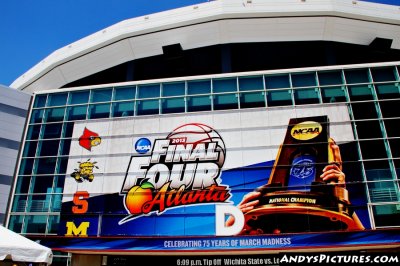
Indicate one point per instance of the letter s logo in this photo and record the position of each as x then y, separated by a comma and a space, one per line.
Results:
81, 204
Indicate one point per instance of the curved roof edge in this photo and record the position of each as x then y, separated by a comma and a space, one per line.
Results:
210, 23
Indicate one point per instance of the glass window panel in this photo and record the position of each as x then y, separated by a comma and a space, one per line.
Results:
33, 132
52, 228
51, 131
224, 85
333, 94
19, 203
59, 181
35, 224
48, 147
279, 98
23, 184
68, 128
78, 97
392, 127
37, 116
40, 101
277, 81
373, 149
101, 95
330, 78
304, 80
16, 222
376, 164
124, 93
199, 87
54, 114
41, 184
251, 83
56, 200
62, 165
383, 74
99, 110
26, 167
61, 258
199, 103
45, 165
38, 203
387, 91
380, 191
356, 76
147, 107
306, 96
397, 165
57, 99
390, 108
365, 110
30, 149
225, 101
149, 91
173, 89
123, 109
65, 146
252, 99
360, 93
173, 105
386, 215
368, 129
76, 113
395, 147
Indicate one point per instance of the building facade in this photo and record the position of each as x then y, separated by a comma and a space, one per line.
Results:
229, 126
13, 109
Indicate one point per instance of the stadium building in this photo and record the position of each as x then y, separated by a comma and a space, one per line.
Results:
231, 129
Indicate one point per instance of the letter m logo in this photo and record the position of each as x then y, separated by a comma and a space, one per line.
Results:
81, 230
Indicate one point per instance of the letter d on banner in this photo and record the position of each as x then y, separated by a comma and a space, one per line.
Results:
220, 214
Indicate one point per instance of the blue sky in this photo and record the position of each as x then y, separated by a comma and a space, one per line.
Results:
30, 30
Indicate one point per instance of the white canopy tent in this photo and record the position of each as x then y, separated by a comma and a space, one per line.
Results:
19, 248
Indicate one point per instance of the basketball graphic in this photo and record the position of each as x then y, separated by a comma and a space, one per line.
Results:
195, 133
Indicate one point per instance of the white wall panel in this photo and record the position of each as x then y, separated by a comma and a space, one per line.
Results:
97, 61
202, 35
360, 32
146, 45
7, 166
4, 190
14, 98
172, 122
11, 119
53, 79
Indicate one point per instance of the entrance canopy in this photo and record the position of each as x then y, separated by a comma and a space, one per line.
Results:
18, 248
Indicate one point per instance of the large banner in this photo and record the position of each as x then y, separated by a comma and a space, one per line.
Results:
248, 172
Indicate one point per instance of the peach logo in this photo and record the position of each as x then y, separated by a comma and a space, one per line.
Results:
138, 196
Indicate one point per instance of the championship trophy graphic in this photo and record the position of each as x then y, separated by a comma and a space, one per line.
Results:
296, 199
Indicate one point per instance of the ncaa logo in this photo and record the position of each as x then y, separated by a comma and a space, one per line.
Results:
143, 145
306, 130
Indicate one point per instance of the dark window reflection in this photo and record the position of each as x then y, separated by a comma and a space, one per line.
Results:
368, 129
364, 110
390, 108
373, 149
392, 127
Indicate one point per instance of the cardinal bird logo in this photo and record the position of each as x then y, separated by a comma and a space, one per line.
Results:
89, 139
